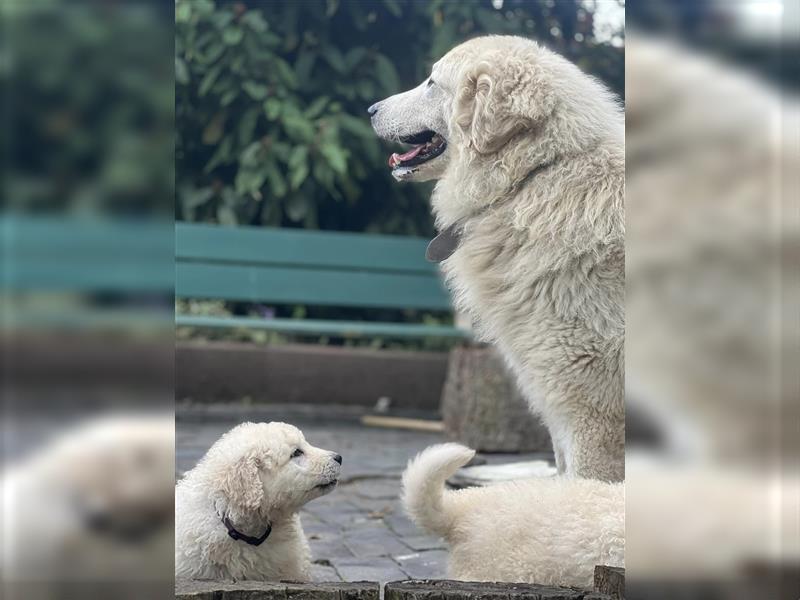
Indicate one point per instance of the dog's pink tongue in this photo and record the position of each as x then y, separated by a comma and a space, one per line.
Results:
395, 159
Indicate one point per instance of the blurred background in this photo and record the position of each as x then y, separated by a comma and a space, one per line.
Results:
711, 265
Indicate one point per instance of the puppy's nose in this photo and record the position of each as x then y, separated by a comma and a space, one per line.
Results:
338, 458
373, 109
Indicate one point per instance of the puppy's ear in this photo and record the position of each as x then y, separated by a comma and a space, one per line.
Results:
499, 98
241, 484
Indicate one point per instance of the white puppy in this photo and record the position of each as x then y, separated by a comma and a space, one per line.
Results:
236, 511
550, 531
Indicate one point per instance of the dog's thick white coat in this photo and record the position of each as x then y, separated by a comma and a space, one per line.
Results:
550, 531
250, 476
534, 174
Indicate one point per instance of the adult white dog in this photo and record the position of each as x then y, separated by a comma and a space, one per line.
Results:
529, 153
550, 531
236, 511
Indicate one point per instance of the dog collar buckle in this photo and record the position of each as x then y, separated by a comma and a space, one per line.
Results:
247, 539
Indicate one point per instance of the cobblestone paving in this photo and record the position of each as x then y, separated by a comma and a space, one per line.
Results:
359, 531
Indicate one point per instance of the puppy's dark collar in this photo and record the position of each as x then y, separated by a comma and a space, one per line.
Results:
247, 539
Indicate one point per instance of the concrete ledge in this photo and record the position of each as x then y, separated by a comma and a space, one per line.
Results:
229, 372
430, 589
610, 580
263, 590
422, 589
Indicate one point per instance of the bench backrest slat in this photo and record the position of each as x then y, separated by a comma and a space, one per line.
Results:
302, 267
208, 243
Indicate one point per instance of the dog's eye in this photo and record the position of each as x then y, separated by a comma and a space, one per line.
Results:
297, 453
430, 81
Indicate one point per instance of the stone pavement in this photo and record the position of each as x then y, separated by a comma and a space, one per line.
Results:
359, 531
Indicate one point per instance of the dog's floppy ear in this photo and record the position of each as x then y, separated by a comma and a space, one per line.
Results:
241, 485
498, 98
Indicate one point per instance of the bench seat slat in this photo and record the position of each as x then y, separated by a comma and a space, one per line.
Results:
309, 286
272, 246
317, 327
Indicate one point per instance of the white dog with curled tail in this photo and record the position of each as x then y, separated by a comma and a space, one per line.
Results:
236, 512
529, 156
549, 531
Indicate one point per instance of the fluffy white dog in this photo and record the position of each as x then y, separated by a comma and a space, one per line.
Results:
236, 512
529, 153
550, 531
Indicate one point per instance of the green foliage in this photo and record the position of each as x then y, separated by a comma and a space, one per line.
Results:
88, 108
271, 101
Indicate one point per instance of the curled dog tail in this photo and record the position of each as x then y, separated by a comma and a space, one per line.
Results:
424, 495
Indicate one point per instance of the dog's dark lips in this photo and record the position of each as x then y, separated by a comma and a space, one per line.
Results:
327, 486
427, 146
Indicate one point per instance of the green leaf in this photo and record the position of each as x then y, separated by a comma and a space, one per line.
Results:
336, 157
356, 126
354, 56
181, 71
249, 156
275, 180
298, 127
232, 35
255, 21
247, 125
249, 181
203, 7
272, 108
297, 207
366, 90
226, 215
214, 130
324, 175
213, 52
297, 157
393, 7
285, 72
298, 175
222, 156
257, 91
193, 198
316, 107
303, 66
386, 74
209, 80
331, 6
334, 58
229, 97
183, 11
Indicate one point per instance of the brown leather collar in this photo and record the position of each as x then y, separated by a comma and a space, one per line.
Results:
247, 539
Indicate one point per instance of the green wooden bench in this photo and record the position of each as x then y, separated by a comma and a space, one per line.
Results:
225, 263
286, 266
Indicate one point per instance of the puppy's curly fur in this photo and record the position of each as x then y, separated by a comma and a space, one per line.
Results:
257, 475
533, 174
550, 531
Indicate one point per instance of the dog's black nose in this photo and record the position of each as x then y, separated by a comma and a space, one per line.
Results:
373, 109
338, 458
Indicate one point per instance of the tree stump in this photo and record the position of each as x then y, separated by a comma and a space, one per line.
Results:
482, 407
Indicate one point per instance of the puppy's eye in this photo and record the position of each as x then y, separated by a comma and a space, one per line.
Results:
430, 81
297, 453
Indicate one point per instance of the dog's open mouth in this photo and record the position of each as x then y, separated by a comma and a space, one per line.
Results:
427, 146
